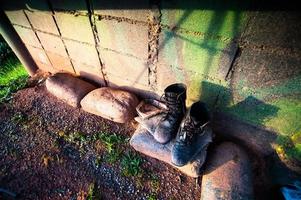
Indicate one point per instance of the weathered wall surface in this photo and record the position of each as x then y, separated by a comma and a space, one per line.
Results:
240, 61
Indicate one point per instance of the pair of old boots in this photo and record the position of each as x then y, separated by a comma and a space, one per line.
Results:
187, 126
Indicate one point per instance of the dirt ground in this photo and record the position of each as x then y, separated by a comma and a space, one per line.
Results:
36, 162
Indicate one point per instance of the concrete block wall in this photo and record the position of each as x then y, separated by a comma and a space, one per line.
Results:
238, 60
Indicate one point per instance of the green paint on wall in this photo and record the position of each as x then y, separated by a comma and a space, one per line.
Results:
288, 118
221, 18
202, 56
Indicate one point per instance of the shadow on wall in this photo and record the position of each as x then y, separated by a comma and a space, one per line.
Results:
250, 109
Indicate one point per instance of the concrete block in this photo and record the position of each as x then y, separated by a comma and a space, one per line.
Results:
124, 37
134, 9
91, 73
167, 75
52, 43
143, 90
42, 20
83, 53
17, 17
199, 87
258, 69
60, 63
39, 55
128, 67
266, 89
75, 27
123, 81
28, 36
277, 29
216, 21
197, 54
69, 5
41, 59
46, 68
144, 142
228, 174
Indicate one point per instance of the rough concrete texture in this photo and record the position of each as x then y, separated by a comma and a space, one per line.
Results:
144, 142
125, 66
41, 59
119, 36
68, 88
123, 9
17, 17
123, 83
284, 27
75, 27
82, 53
42, 21
113, 104
180, 50
52, 43
92, 73
259, 68
266, 78
59, 62
39, 55
199, 87
28, 36
228, 174
216, 21
46, 68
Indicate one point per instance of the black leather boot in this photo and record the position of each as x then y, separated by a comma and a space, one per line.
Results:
174, 97
189, 136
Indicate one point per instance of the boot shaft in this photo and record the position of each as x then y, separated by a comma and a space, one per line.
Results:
175, 97
199, 113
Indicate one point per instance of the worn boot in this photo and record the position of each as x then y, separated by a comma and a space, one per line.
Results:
189, 136
174, 97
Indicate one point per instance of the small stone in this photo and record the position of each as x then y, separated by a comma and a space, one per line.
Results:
113, 104
228, 174
68, 88
145, 143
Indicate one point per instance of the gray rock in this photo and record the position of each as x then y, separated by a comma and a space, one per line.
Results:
113, 104
145, 143
68, 88
228, 174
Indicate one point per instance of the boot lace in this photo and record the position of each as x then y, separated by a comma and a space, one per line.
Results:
189, 129
173, 105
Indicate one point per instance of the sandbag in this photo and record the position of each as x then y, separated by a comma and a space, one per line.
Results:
113, 104
145, 143
228, 174
68, 88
